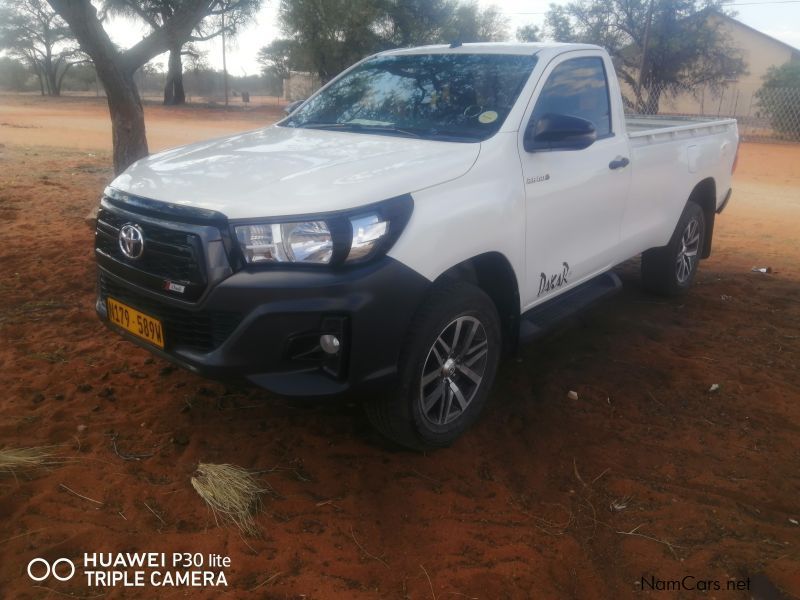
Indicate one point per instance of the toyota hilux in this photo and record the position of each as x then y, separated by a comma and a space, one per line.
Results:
402, 229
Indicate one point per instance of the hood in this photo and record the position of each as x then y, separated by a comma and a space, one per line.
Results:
280, 171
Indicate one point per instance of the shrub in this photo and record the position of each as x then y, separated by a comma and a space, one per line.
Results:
779, 99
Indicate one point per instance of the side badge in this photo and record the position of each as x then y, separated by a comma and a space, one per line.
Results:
548, 283
538, 178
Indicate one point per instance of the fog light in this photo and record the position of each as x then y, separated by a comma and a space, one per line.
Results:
329, 343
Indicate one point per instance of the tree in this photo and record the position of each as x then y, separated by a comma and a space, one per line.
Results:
280, 57
416, 22
779, 98
226, 16
471, 24
115, 68
31, 31
333, 34
686, 46
529, 33
557, 24
80, 78
14, 75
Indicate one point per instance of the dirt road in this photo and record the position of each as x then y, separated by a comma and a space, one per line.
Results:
647, 475
83, 123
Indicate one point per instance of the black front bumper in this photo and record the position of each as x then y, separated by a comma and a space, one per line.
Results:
264, 324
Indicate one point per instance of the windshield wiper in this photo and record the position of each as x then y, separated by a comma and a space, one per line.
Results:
430, 134
455, 136
387, 129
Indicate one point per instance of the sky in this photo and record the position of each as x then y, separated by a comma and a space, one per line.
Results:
777, 18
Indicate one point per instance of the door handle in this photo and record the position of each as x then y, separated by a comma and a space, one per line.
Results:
619, 163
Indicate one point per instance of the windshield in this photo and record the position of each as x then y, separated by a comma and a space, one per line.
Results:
454, 97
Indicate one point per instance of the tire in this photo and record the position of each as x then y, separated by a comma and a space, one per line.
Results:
443, 385
670, 270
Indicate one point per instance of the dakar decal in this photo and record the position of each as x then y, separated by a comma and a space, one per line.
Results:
553, 282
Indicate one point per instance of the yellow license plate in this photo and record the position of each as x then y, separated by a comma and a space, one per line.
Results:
138, 323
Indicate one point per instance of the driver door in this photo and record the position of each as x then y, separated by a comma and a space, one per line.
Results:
574, 197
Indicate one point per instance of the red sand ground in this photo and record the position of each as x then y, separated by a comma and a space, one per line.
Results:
518, 508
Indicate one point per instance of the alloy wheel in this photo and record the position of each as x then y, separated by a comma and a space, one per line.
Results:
453, 371
687, 254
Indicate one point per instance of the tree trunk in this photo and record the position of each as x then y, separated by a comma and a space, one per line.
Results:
116, 73
116, 69
49, 75
127, 121
60, 78
173, 89
52, 83
127, 115
41, 81
650, 106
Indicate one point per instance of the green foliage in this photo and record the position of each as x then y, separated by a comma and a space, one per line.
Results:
327, 36
80, 78
558, 25
779, 99
529, 33
784, 76
471, 24
14, 75
222, 16
335, 33
415, 22
31, 31
686, 48
155, 13
282, 56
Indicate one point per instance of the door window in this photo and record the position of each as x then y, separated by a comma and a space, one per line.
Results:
577, 87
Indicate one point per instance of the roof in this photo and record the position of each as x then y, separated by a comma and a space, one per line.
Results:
722, 15
490, 48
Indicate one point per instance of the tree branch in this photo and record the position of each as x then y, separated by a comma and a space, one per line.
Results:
82, 19
135, 8
179, 27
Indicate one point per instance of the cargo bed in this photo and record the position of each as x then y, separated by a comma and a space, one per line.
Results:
641, 125
652, 128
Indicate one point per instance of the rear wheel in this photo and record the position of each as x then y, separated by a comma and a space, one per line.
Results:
446, 369
670, 270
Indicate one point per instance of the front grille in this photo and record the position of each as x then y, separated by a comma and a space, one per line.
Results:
168, 254
202, 331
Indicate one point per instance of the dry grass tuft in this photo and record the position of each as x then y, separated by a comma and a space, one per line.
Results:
17, 459
231, 492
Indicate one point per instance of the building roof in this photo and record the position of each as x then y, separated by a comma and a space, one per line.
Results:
795, 51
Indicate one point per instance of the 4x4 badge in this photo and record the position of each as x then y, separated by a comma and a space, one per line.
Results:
538, 178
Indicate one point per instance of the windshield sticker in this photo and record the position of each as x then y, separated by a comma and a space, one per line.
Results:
487, 117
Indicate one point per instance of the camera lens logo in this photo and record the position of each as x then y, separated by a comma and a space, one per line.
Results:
39, 569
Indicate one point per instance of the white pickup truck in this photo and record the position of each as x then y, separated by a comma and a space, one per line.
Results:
416, 218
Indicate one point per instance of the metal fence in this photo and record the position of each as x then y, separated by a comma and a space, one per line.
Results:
763, 114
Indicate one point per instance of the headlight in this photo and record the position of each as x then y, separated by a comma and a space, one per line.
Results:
303, 242
329, 239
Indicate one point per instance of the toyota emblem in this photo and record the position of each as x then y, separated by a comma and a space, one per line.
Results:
131, 240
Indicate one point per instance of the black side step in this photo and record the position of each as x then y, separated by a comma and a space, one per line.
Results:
543, 318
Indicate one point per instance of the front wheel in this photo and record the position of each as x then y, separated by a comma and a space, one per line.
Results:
446, 369
670, 270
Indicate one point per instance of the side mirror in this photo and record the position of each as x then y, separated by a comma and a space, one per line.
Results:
292, 106
559, 132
